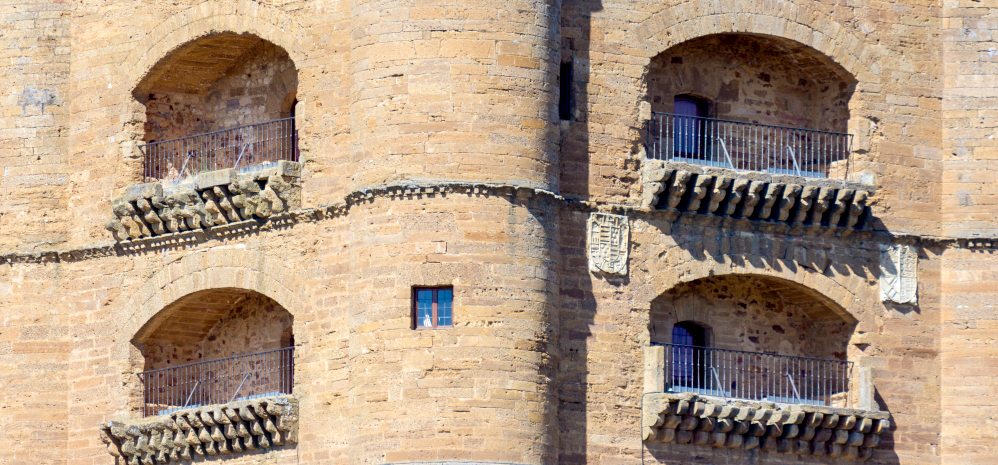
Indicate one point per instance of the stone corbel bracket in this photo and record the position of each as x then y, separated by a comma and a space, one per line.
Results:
209, 199
687, 418
791, 200
196, 433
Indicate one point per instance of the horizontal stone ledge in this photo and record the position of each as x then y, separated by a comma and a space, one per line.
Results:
687, 418
402, 190
367, 195
792, 200
194, 433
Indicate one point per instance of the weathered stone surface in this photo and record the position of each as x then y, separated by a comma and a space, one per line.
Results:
210, 179
193, 434
144, 191
899, 274
609, 240
790, 200
214, 198
772, 427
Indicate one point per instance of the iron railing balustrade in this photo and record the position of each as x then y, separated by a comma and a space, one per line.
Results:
749, 146
747, 375
217, 381
238, 147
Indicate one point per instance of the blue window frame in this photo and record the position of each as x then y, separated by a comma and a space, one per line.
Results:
433, 307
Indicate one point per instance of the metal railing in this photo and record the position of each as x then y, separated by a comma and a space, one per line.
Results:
749, 146
236, 147
756, 375
217, 381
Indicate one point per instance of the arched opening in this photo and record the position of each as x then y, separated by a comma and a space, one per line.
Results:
754, 102
221, 101
753, 337
215, 346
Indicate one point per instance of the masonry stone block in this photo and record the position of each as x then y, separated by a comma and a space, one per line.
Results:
432, 154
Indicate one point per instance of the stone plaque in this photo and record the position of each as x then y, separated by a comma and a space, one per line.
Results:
608, 236
899, 274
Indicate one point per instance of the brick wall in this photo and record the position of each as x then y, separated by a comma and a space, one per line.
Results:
968, 353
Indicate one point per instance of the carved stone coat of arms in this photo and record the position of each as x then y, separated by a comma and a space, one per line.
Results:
608, 236
899, 274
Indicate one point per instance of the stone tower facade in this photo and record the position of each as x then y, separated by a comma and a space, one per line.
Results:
527, 232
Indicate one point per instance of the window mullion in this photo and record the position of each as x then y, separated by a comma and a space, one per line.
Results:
434, 308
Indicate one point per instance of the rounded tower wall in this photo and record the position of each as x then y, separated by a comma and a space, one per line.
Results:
470, 391
454, 92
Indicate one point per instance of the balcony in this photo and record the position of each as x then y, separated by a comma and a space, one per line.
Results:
738, 374
750, 127
211, 179
215, 407
218, 381
707, 166
220, 141
242, 148
744, 146
774, 403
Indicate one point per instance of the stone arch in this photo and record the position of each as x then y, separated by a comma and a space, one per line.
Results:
211, 269
808, 26
214, 323
217, 268
672, 26
763, 325
751, 77
207, 18
785, 290
848, 296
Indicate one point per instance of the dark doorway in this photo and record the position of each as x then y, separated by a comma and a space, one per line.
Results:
689, 364
690, 126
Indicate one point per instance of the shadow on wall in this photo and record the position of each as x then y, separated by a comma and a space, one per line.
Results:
702, 239
760, 245
577, 302
574, 108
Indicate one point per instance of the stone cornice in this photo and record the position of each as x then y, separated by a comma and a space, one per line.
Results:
686, 418
428, 189
208, 200
194, 433
682, 188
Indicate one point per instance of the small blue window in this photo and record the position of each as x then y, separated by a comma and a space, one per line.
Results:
433, 307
